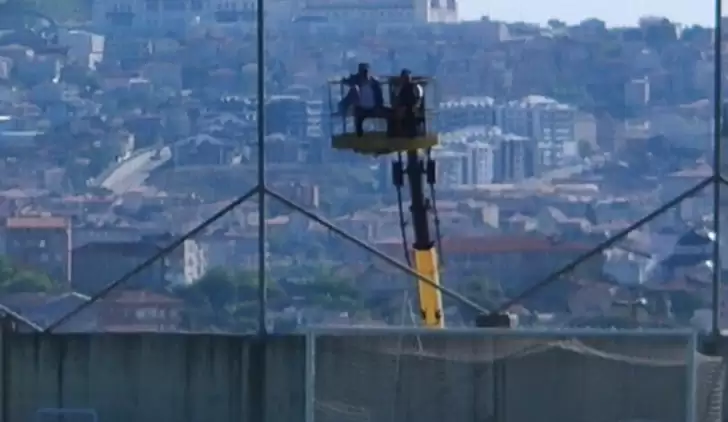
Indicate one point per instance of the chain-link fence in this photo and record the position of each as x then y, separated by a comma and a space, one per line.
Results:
393, 375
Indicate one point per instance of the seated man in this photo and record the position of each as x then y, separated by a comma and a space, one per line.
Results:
407, 103
365, 95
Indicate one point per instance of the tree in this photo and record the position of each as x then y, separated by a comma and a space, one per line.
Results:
330, 289
556, 24
684, 304
486, 293
6, 268
224, 299
217, 288
586, 148
25, 281
14, 280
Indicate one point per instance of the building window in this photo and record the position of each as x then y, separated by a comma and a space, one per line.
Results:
174, 5
146, 313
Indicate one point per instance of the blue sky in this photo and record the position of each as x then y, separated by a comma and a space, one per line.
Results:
614, 12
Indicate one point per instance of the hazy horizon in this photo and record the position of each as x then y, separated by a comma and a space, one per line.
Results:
614, 12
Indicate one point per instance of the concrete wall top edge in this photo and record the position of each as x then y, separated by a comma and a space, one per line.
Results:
395, 331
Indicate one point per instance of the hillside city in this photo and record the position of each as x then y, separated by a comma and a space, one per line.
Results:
122, 133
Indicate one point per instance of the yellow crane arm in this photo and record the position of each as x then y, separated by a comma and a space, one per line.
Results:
426, 263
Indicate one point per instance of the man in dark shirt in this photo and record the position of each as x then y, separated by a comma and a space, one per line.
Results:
407, 104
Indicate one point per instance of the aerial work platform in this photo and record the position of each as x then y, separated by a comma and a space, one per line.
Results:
379, 143
383, 132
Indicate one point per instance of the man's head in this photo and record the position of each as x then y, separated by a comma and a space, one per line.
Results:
363, 70
406, 76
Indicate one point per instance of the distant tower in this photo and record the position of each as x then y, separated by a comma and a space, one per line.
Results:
442, 10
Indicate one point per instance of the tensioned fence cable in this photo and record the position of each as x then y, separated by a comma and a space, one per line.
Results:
597, 250
490, 353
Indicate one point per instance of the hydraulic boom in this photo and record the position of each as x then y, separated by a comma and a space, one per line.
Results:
425, 253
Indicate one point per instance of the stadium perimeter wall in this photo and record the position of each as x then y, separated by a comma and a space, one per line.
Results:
361, 375
145, 377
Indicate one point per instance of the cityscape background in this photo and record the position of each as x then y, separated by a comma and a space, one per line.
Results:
124, 124
615, 13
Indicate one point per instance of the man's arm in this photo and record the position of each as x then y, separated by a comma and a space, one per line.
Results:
349, 80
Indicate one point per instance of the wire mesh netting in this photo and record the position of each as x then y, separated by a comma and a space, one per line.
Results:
709, 389
513, 378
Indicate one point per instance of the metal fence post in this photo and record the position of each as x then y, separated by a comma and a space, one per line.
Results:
691, 396
3, 371
310, 378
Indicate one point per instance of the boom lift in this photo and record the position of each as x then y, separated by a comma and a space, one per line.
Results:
379, 138
414, 160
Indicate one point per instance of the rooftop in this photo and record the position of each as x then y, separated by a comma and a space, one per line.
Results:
500, 245
37, 223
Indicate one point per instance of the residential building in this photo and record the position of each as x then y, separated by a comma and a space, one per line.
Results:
186, 264
288, 115
84, 47
6, 67
316, 141
452, 167
202, 149
514, 159
637, 92
512, 261
40, 243
466, 111
550, 123
481, 163
405, 12
165, 15
97, 264
138, 310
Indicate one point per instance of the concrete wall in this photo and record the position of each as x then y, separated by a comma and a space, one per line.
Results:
514, 376
360, 375
146, 377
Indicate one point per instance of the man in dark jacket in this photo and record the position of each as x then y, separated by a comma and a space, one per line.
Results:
407, 104
365, 95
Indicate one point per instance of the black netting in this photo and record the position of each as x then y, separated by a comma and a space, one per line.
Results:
514, 378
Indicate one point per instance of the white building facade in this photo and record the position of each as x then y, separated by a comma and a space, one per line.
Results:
550, 123
177, 14
379, 11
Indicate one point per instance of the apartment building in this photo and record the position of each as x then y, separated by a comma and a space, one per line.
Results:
550, 123
379, 11
40, 243
180, 14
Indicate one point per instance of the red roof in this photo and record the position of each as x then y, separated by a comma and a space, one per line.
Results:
500, 245
37, 223
130, 297
134, 328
